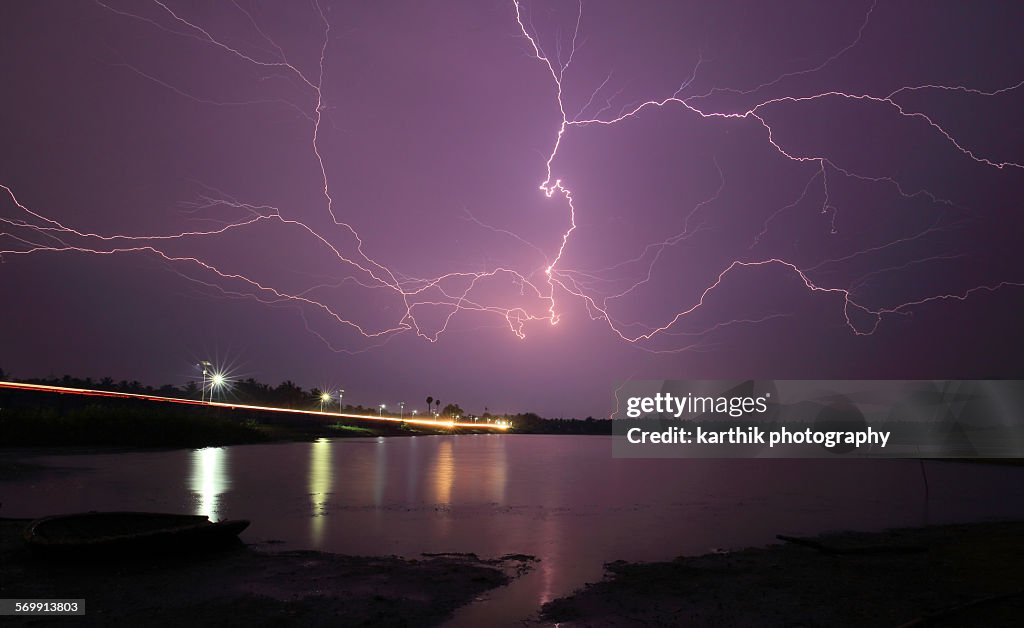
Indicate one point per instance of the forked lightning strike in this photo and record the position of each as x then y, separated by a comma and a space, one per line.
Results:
31, 232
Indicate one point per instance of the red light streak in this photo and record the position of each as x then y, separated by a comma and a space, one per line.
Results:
501, 427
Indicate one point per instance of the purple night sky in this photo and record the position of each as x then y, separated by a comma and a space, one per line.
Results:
776, 190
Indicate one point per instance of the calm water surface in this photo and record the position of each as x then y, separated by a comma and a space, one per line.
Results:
562, 499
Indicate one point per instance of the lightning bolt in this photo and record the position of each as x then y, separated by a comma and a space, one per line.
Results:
534, 294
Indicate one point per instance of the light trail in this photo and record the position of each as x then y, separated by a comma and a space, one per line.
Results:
501, 427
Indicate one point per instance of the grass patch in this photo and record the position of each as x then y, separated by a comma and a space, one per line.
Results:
352, 430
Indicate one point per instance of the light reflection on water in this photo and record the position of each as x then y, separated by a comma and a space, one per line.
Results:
210, 480
321, 470
443, 470
563, 499
380, 476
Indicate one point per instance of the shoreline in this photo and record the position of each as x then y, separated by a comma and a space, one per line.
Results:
949, 575
243, 585
242, 433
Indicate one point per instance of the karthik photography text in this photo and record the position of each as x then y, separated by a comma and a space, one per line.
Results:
868, 437
819, 419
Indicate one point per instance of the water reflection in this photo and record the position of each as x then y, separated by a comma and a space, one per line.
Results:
321, 470
380, 478
444, 473
498, 471
412, 487
209, 480
562, 499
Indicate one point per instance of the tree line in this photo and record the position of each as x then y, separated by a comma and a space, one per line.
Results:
288, 394
249, 391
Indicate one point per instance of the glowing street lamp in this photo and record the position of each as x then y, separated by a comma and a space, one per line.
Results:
217, 381
325, 397
401, 410
380, 411
341, 393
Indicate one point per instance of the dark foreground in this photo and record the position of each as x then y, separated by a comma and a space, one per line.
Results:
964, 575
245, 587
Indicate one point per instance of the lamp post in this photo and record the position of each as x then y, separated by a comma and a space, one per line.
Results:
380, 410
325, 397
205, 365
341, 393
401, 410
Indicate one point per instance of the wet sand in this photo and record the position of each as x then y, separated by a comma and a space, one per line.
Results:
959, 575
243, 586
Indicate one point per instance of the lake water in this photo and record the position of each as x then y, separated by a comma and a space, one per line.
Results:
563, 499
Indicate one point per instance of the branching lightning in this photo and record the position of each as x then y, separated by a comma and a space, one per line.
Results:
552, 282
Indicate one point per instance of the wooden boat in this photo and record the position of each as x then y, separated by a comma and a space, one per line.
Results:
114, 533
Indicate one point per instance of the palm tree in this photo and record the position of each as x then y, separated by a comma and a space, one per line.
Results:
437, 403
430, 400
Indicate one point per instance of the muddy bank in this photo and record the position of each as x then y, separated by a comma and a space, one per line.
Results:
243, 586
963, 575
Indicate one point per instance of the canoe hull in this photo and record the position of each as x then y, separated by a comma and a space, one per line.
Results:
128, 533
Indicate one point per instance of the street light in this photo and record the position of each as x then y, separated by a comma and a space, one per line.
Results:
206, 366
325, 397
401, 410
217, 381
341, 393
380, 412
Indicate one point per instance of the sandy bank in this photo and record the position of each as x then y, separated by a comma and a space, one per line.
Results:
246, 587
964, 575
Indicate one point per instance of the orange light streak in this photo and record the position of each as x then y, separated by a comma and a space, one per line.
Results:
501, 427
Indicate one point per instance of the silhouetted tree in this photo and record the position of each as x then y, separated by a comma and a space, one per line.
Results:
453, 410
290, 394
430, 401
168, 391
